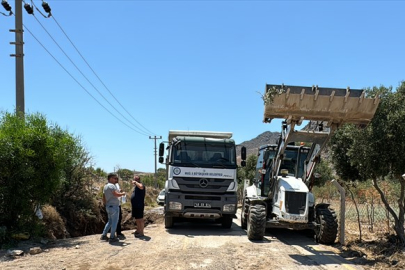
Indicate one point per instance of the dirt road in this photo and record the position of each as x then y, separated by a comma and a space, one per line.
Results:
198, 245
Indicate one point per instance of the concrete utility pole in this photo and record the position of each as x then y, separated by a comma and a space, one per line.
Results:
155, 138
19, 58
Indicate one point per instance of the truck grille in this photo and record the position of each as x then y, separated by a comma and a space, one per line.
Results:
202, 198
206, 185
295, 202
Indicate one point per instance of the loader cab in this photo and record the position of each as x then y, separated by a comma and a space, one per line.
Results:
293, 161
265, 154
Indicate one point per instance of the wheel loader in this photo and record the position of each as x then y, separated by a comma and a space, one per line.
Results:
280, 195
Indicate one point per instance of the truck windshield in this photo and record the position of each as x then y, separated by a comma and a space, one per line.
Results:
204, 154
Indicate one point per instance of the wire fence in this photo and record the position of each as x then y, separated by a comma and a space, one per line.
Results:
365, 215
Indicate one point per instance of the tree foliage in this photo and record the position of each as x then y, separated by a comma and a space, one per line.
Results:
325, 171
376, 152
249, 171
40, 163
125, 174
340, 143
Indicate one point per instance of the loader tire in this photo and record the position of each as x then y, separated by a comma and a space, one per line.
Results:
244, 215
256, 224
169, 222
326, 232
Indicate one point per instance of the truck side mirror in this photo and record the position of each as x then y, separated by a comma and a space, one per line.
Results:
243, 163
243, 153
161, 151
160, 159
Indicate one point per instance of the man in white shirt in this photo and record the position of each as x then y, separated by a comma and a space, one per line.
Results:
119, 229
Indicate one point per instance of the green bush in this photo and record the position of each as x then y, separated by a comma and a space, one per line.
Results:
40, 163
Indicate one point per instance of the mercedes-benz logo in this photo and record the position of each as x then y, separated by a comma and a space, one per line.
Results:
203, 183
177, 171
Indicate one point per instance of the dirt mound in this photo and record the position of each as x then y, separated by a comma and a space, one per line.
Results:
381, 253
151, 216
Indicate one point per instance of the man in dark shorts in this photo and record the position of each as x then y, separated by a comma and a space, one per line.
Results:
138, 205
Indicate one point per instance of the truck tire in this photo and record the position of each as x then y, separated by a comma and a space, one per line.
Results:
326, 232
169, 222
244, 214
226, 222
256, 224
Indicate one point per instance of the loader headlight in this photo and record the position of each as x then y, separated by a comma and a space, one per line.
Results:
229, 208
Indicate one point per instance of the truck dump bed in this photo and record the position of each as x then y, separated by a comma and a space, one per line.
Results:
194, 133
335, 105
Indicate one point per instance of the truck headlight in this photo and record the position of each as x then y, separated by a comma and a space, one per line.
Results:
173, 184
232, 187
229, 208
175, 205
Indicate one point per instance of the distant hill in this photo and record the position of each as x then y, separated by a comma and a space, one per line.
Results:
253, 145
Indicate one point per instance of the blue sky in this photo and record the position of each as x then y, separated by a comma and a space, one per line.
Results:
191, 65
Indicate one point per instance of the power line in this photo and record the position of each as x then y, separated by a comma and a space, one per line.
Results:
77, 80
98, 76
95, 88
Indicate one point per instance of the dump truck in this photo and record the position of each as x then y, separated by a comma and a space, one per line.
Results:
201, 176
280, 195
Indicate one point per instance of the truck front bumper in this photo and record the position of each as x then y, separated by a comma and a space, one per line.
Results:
206, 206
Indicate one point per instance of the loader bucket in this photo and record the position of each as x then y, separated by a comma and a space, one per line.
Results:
335, 105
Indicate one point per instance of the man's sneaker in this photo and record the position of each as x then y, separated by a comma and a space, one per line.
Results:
104, 238
139, 235
115, 239
121, 236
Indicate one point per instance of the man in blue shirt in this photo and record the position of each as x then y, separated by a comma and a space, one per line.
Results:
110, 199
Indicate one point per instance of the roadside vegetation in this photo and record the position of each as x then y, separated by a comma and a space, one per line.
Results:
376, 152
46, 168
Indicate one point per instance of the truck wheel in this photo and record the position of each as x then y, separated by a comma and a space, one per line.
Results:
226, 222
244, 214
326, 232
256, 225
169, 222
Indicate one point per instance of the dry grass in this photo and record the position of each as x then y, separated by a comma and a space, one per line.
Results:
53, 222
379, 251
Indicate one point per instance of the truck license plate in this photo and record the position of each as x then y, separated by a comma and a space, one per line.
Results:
202, 205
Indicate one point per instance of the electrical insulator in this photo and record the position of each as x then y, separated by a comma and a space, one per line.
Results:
6, 5
29, 9
46, 7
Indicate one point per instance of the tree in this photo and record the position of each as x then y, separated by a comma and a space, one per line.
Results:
36, 160
325, 172
249, 171
125, 174
376, 151
340, 143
